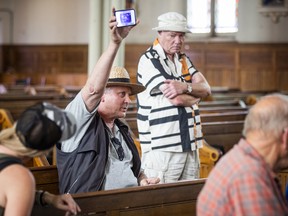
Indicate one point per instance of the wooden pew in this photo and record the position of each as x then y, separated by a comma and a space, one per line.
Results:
222, 134
6, 119
283, 177
19, 97
162, 199
221, 116
238, 114
233, 103
218, 96
18, 104
222, 109
225, 116
222, 103
46, 178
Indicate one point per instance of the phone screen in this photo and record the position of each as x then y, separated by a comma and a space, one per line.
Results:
125, 17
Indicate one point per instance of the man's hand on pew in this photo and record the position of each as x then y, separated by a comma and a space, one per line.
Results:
64, 202
144, 181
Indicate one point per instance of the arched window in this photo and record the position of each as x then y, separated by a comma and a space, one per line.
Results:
212, 17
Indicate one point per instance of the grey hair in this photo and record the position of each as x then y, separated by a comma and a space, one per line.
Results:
268, 116
107, 90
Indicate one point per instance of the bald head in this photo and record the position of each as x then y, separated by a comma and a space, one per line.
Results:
268, 117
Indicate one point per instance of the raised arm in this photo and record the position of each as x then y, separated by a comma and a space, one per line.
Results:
96, 82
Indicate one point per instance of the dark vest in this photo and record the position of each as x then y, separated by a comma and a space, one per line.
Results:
83, 170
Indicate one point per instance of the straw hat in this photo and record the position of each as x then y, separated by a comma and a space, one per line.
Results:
172, 21
120, 77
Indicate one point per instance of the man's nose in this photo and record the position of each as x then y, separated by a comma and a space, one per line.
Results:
178, 39
127, 99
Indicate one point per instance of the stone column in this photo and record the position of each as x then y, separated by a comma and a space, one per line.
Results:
99, 32
95, 33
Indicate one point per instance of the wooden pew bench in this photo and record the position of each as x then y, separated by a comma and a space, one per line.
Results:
17, 106
46, 178
225, 116
222, 103
217, 96
230, 115
222, 109
131, 119
203, 104
162, 199
222, 134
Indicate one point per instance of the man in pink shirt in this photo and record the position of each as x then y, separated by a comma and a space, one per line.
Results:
244, 181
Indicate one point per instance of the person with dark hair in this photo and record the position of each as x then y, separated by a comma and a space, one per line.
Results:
102, 154
244, 181
34, 134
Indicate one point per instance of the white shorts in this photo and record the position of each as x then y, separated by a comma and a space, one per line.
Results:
171, 166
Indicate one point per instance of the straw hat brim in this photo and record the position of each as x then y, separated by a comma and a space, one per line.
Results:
135, 88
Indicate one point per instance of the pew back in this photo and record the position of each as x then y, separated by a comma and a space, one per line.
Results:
223, 134
17, 106
162, 199
46, 178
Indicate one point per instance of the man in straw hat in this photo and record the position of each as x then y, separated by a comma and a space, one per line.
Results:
168, 114
102, 154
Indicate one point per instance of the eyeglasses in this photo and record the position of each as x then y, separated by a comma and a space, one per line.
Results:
119, 149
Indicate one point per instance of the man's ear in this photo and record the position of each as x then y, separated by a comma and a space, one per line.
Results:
102, 98
285, 138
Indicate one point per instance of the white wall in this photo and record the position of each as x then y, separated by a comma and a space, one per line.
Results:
48, 21
67, 21
254, 27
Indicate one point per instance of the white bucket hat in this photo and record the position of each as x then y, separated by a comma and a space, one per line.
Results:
172, 21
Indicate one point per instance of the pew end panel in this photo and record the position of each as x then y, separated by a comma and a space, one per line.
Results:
283, 177
6, 119
208, 158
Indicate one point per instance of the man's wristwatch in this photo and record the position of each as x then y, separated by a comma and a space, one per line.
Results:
189, 89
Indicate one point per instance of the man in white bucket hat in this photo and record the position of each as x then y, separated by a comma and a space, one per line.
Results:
102, 154
168, 115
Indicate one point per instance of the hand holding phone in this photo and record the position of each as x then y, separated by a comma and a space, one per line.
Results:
125, 17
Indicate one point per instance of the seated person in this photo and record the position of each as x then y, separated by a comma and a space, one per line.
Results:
244, 181
35, 133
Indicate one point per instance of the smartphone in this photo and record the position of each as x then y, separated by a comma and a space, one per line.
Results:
125, 17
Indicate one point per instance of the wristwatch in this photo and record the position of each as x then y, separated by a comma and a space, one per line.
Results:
189, 88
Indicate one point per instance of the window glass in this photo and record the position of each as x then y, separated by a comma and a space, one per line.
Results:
224, 14
198, 15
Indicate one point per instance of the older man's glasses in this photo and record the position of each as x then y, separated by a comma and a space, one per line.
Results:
119, 149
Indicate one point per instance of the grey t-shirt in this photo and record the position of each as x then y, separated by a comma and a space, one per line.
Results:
119, 173
83, 118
